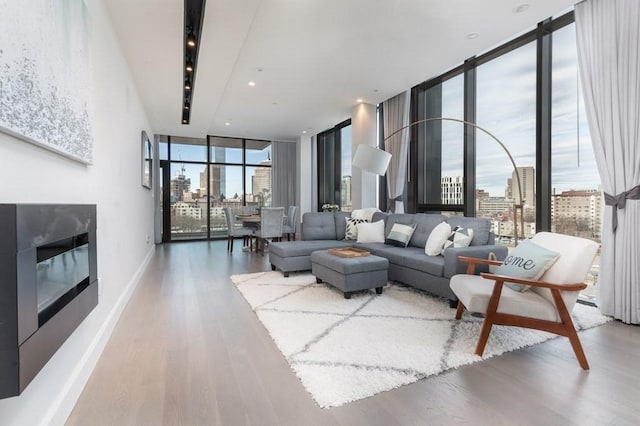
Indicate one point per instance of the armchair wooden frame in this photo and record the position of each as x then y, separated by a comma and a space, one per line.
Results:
563, 328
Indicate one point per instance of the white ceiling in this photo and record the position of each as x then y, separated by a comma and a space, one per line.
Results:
311, 59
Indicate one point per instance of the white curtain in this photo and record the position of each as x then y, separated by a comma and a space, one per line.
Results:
283, 174
608, 37
396, 116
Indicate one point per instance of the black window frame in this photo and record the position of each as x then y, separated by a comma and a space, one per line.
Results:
543, 36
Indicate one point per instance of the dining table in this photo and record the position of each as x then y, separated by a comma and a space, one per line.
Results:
252, 220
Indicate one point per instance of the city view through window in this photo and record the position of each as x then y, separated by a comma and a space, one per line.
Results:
234, 177
577, 201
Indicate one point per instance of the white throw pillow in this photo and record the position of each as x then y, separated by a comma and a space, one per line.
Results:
371, 232
437, 238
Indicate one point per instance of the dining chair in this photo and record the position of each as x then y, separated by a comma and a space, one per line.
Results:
289, 229
270, 226
543, 304
236, 231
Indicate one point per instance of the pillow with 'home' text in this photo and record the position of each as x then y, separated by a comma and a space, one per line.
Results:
529, 261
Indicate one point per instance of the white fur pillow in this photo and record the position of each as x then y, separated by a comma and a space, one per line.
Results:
437, 238
371, 232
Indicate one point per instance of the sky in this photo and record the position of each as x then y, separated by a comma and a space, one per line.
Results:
506, 89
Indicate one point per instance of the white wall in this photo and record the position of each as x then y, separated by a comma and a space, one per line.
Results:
124, 219
305, 176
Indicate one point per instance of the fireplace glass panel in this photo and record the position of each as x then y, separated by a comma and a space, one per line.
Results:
62, 266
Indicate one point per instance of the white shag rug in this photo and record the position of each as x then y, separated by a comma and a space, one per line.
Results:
348, 349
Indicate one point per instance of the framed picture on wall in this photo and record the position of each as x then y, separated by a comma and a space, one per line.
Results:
147, 160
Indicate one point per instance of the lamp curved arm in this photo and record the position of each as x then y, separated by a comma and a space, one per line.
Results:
475, 126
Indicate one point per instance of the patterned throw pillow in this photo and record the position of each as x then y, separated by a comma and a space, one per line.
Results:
460, 237
351, 232
400, 234
529, 261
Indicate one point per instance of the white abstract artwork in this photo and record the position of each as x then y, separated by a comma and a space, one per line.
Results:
45, 75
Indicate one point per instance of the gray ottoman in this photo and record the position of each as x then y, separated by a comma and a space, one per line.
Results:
350, 274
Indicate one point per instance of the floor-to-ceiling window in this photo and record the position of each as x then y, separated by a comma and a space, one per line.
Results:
506, 107
527, 94
440, 143
334, 166
203, 176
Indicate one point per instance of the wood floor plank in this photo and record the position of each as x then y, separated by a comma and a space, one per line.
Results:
188, 350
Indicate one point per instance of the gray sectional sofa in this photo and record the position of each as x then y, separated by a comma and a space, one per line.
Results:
409, 265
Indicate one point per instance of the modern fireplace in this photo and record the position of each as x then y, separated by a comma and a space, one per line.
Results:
48, 284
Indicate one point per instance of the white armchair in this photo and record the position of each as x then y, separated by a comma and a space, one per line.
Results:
545, 306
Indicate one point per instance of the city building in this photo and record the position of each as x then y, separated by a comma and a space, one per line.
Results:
578, 212
452, 189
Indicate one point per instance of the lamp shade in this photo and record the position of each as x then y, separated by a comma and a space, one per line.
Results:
371, 159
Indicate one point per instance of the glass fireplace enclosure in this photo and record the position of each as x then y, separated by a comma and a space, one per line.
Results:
48, 284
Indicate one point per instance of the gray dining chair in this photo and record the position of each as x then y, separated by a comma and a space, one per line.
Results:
289, 228
271, 219
236, 231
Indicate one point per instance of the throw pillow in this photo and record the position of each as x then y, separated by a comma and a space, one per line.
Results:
437, 238
351, 231
371, 232
460, 237
400, 234
528, 260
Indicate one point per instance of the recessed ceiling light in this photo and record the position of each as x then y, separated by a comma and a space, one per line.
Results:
359, 100
304, 132
227, 123
471, 36
522, 8
252, 83
189, 66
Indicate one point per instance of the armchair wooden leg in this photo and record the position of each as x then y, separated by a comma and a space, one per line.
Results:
489, 318
569, 329
460, 310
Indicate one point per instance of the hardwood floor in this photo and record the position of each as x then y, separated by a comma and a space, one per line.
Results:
188, 350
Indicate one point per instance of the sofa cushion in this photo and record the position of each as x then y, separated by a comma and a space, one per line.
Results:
436, 240
372, 248
351, 232
529, 261
405, 219
318, 226
341, 224
460, 237
400, 234
303, 248
424, 225
481, 228
414, 258
371, 232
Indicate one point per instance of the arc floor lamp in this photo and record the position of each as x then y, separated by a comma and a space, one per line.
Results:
376, 161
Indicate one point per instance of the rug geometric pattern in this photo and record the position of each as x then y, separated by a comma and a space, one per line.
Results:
343, 350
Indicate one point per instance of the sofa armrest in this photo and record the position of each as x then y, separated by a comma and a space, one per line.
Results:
453, 266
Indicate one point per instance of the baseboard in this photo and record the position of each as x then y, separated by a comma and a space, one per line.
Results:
62, 406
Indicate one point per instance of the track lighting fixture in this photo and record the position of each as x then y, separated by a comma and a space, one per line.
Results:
193, 21
191, 39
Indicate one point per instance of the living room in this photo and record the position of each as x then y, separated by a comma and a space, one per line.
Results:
167, 305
